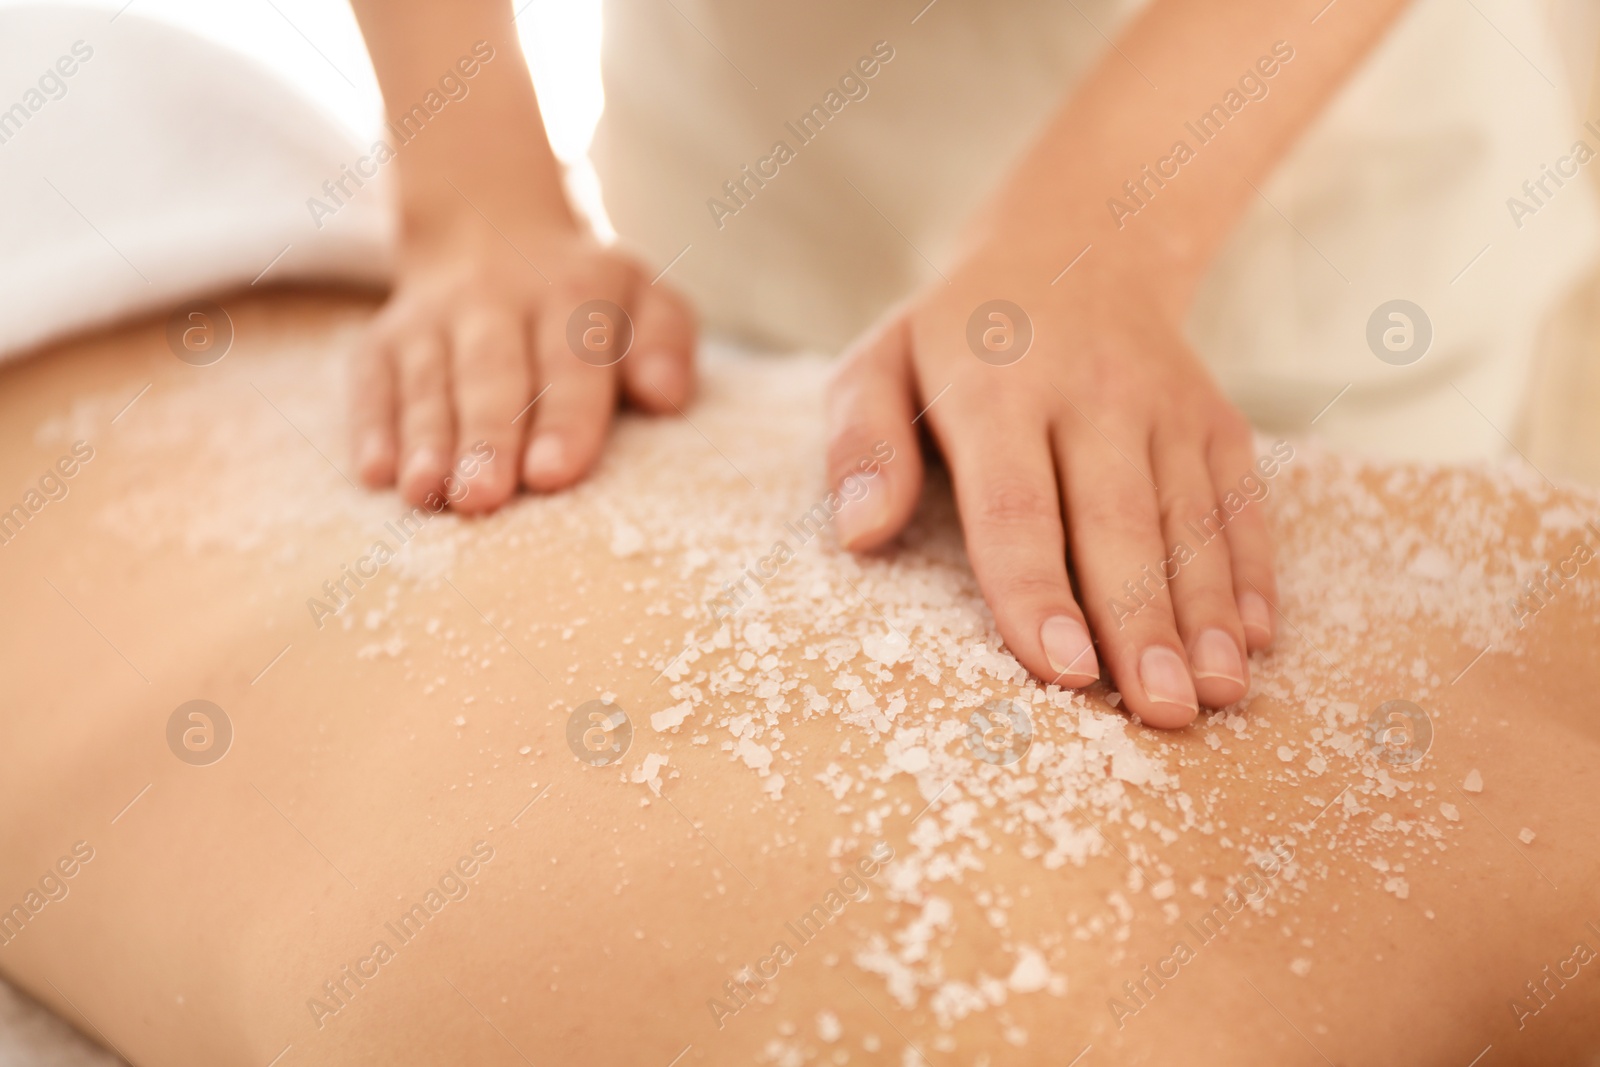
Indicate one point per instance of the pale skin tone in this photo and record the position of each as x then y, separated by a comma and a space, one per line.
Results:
1094, 450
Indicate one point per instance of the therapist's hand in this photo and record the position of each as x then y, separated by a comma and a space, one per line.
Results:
509, 324
483, 320
1107, 445
1101, 443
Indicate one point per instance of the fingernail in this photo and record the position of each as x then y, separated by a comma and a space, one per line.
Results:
1216, 656
1067, 647
423, 463
547, 457
660, 375
1166, 678
859, 519
371, 455
1256, 614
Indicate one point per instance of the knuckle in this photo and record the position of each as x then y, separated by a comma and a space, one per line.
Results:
1012, 502
1113, 516
1180, 508
593, 277
422, 375
490, 352
1031, 584
422, 423
1205, 602
485, 332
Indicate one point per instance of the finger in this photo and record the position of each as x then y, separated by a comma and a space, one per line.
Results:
658, 373
1198, 567
372, 414
492, 382
1114, 527
1010, 504
874, 460
427, 426
1238, 470
580, 379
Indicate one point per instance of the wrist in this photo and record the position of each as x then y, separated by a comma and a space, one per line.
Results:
439, 211
1065, 242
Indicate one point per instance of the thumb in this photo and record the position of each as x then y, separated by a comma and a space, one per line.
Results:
874, 461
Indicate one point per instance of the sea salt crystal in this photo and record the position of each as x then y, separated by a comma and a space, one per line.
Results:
756, 757
626, 540
887, 649
1130, 765
1526, 836
1474, 781
912, 760
649, 772
1300, 966
1450, 811
1031, 972
669, 719
828, 1028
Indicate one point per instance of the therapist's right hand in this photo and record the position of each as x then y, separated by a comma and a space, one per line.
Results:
518, 337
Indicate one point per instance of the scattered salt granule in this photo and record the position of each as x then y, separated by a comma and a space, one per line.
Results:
663, 721
1526, 836
890, 655
1031, 972
1300, 966
524, 750
828, 1028
886, 649
756, 757
1474, 781
626, 540
649, 772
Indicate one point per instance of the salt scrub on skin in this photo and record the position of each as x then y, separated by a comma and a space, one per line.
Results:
893, 654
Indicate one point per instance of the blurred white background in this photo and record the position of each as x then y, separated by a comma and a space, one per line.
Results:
316, 46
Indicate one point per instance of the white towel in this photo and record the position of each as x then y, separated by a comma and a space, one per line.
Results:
162, 167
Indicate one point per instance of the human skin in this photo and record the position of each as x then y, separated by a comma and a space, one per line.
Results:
493, 264
1109, 435
1092, 451
221, 897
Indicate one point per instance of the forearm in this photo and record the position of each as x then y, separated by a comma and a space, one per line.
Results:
1109, 167
484, 149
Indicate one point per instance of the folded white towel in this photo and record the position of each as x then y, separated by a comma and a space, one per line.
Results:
141, 165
